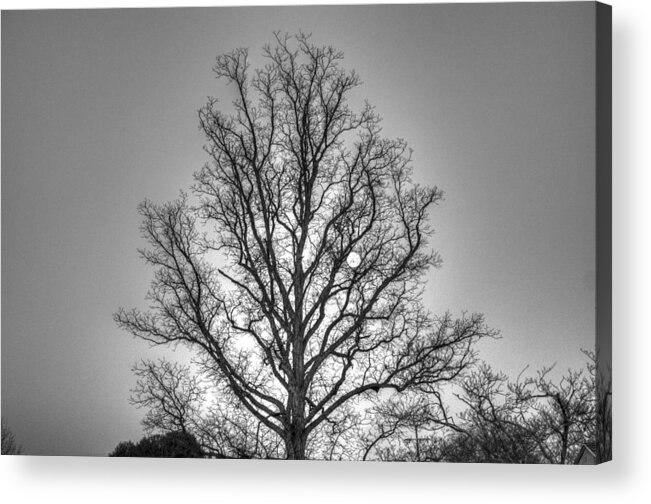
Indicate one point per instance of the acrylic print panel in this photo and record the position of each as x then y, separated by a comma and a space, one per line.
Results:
385, 241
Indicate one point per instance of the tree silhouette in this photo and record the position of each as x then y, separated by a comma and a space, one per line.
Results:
563, 412
295, 271
171, 394
494, 426
531, 420
601, 432
9, 444
407, 427
169, 445
176, 401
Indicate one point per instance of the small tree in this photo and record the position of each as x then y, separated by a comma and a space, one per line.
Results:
407, 427
325, 237
170, 445
493, 428
601, 432
171, 394
562, 413
9, 444
176, 401
534, 420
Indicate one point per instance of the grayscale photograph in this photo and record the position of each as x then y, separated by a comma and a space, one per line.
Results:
342, 233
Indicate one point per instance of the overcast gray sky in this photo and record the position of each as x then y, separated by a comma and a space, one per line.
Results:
99, 112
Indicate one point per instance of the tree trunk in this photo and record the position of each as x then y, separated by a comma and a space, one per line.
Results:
296, 436
295, 444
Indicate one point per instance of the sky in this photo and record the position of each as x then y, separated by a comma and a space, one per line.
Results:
99, 112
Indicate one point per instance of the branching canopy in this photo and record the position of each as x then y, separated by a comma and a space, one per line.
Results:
325, 237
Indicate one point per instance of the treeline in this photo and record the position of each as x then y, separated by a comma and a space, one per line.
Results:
530, 420
534, 419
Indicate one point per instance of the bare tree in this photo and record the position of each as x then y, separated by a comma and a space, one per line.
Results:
176, 401
601, 433
531, 420
493, 428
562, 413
325, 240
9, 444
171, 394
407, 427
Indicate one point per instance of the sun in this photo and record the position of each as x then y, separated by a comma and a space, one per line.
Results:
353, 260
